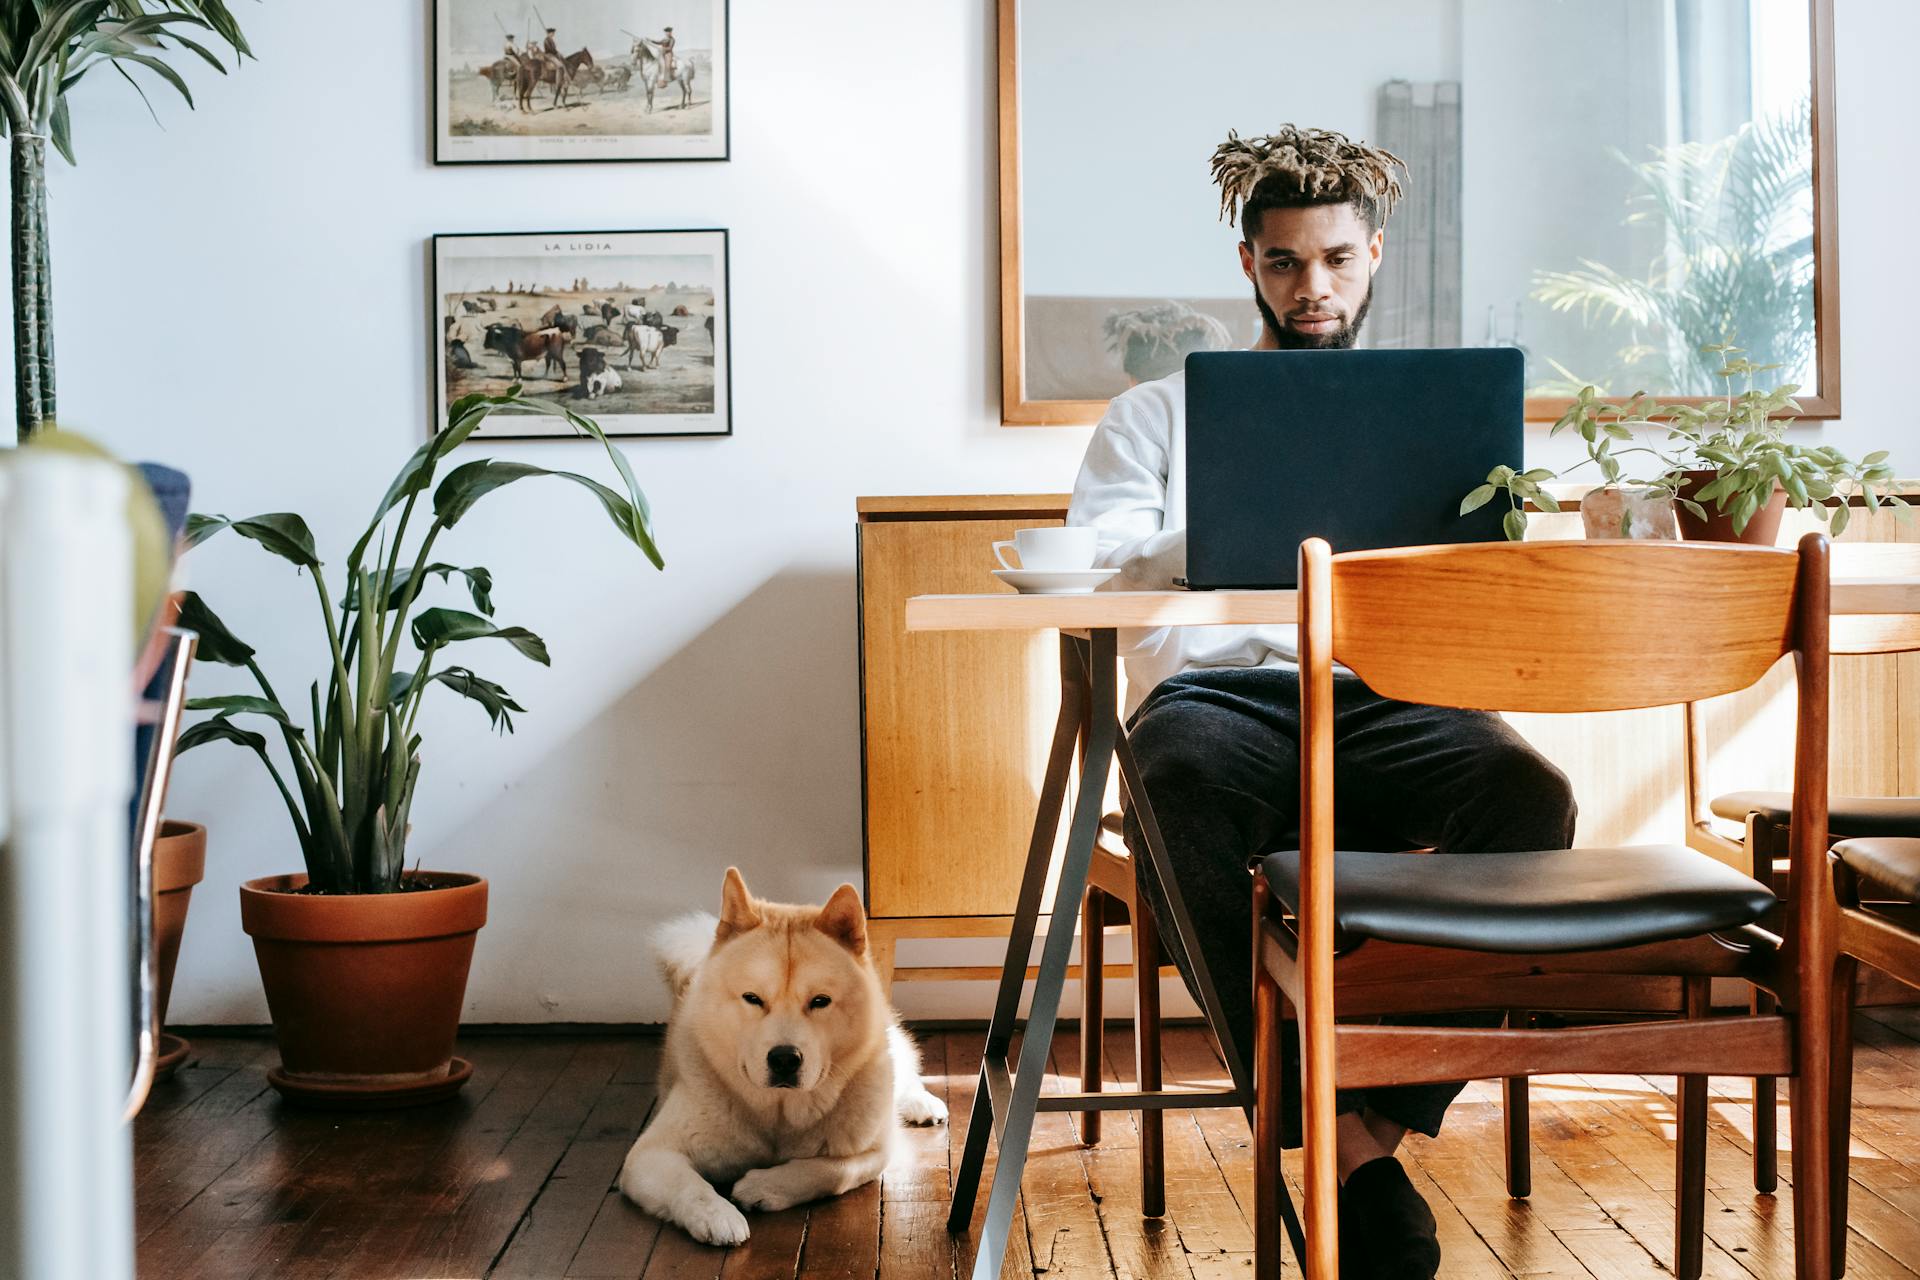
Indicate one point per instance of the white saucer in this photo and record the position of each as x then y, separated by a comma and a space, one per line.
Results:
1053, 582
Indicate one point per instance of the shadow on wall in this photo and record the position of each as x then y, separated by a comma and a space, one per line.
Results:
741, 749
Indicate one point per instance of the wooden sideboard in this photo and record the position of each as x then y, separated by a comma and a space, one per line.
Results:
952, 748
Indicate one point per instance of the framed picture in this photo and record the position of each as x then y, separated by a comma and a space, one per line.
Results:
520, 81
627, 327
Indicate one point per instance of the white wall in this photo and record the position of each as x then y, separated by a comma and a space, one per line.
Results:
243, 295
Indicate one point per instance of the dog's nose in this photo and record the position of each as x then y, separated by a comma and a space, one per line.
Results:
783, 1065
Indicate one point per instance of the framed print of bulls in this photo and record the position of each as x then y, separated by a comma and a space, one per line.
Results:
530, 81
628, 328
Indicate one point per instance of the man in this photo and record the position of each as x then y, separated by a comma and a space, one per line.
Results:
665, 45
1154, 341
1217, 732
512, 51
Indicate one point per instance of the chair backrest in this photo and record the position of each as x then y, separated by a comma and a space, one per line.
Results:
1893, 633
1561, 626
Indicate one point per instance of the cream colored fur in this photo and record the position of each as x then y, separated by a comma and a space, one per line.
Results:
720, 1118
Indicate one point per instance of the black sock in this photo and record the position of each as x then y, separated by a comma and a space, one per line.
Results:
1391, 1222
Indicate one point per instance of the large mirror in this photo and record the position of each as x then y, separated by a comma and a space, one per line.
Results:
1609, 185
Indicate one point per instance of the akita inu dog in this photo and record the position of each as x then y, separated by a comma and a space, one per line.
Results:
786, 1072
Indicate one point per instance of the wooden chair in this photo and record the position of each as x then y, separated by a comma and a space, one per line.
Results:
1885, 935
1766, 816
1112, 898
1547, 627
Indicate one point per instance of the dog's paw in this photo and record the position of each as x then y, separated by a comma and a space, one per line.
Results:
770, 1190
714, 1221
922, 1108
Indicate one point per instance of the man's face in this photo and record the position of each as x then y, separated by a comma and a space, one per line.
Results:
1312, 271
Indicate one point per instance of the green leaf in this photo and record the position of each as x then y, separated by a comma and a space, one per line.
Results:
1514, 523
479, 586
464, 417
1545, 501
468, 483
1695, 509
1479, 498
1878, 455
1841, 514
447, 626
497, 701
217, 644
240, 704
60, 126
281, 532
218, 729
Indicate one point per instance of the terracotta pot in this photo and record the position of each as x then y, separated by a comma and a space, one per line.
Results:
1648, 513
179, 861
365, 989
1762, 530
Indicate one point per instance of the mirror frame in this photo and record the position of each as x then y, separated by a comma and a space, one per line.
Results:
1016, 410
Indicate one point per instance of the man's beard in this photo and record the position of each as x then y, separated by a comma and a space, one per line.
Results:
1293, 340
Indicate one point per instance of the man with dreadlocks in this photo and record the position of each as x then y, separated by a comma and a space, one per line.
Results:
1154, 341
1216, 730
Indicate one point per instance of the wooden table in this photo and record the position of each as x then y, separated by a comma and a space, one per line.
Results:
1006, 1101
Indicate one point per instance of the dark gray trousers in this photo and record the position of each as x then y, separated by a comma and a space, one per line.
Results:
1219, 752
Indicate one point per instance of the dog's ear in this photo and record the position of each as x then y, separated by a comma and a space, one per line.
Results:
737, 910
844, 920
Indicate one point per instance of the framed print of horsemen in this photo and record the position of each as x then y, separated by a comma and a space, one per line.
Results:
626, 327
519, 81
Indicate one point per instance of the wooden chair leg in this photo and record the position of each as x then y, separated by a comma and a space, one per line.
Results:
1840, 1108
1093, 958
1146, 1046
1809, 1097
1269, 1236
1690, 1177
1766, 1115
1846, 971
1515, 1116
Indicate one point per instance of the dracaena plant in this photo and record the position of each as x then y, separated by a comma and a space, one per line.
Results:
356, 760
47, 47
1740, 437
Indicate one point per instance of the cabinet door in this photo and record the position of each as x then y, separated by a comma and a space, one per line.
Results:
956, 726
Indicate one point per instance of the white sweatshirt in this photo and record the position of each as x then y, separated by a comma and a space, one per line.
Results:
1132, 487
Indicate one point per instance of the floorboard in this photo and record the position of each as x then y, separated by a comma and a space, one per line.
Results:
516, 1178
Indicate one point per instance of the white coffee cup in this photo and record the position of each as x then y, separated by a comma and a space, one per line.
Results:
1051, 550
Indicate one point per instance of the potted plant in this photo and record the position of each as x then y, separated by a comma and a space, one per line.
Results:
364, 962
45, 49
1725, 464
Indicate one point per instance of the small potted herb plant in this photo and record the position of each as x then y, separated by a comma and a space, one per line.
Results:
1725, 465
365, 962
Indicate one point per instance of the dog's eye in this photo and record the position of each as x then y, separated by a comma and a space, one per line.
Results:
819, 1002
754, 1000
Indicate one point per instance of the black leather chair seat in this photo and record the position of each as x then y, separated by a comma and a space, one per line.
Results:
1888, 861
1561, 900
1846, 815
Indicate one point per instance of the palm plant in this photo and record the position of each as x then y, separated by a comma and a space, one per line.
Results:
46, 47
1738, 259
355, 775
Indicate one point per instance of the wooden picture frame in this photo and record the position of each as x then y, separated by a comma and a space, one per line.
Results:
1018, 410
619, 107
523, 306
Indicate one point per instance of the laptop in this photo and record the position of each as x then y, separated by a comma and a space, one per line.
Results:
1363, 448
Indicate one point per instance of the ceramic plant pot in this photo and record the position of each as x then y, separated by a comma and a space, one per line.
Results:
1762, 530
179, 860
366, 989
1623, 511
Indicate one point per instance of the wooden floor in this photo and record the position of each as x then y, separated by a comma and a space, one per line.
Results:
515, 1179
